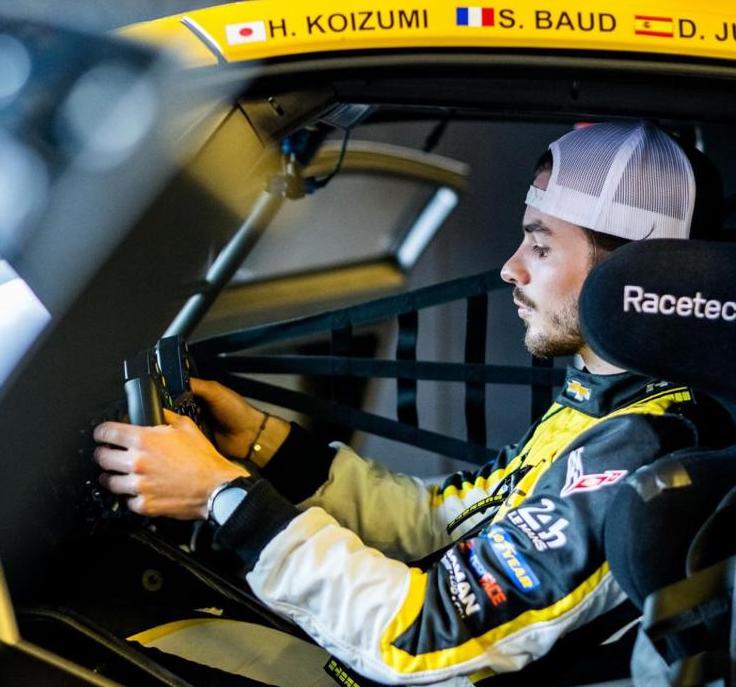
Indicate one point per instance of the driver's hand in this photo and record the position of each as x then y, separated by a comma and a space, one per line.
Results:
169, 470
238, 423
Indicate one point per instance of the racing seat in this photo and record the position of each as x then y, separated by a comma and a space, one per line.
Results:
668, 309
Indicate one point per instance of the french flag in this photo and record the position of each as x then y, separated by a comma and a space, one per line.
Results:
475, 16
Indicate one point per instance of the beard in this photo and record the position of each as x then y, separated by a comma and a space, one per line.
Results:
558, 335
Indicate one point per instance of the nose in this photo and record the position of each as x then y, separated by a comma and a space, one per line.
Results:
513, 271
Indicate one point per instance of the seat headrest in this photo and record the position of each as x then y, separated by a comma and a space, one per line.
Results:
666, 308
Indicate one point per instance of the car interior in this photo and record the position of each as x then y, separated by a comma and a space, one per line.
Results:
325, 236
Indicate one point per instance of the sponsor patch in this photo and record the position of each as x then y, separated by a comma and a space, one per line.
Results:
544, 528
576, 390
511, 560
461, 592
577, 482
487, 580
636, 299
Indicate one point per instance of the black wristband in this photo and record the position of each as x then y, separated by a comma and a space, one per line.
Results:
255, 522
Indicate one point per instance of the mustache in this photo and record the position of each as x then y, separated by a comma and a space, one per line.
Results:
519, 297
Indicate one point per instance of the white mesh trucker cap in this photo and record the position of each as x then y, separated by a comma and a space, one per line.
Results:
627, 179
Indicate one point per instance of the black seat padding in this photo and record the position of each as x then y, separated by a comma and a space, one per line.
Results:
656, 516
667, 309
645, 333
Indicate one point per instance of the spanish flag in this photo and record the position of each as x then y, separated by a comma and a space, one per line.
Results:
661, 27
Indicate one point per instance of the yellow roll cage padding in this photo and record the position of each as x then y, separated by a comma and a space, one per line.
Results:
245, 31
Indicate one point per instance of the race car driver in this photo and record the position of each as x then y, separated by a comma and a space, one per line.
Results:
325, 535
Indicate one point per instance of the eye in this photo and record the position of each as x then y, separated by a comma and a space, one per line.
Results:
540, 251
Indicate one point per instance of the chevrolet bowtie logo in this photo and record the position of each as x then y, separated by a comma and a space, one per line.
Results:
577, 390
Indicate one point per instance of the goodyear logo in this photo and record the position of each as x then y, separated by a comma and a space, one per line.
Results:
514, 563
577, 391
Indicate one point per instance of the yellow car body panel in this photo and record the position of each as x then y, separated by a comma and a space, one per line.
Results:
262, 29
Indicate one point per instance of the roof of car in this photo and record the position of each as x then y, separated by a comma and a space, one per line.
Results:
245, 31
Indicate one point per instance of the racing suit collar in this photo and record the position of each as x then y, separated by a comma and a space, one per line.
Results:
597, 394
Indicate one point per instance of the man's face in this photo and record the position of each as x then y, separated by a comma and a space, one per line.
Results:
547, 271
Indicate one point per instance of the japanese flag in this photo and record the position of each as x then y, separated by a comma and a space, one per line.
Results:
249, 32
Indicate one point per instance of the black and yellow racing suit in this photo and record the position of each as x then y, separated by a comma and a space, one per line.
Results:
524, 561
